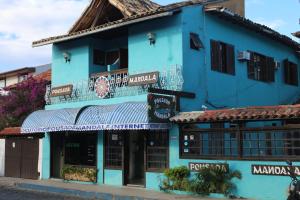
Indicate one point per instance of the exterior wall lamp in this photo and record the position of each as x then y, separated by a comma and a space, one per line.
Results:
67, 57
151, 38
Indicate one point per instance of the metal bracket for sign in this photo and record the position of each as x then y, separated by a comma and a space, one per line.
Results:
178, 95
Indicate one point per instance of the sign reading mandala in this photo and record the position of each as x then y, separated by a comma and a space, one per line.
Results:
143, 79
195, 167
102, 87
277, 170
65, 90
161, 108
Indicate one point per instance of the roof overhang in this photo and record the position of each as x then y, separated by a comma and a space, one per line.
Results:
297, 34
102, 28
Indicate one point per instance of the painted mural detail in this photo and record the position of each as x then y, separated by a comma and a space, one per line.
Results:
195, 167
118, 81
102, 87
274, 170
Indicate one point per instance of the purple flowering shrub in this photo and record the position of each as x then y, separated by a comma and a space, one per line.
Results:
26, 98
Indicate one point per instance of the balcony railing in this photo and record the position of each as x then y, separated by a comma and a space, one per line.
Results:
84, 90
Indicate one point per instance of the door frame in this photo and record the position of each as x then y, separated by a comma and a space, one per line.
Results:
126, 161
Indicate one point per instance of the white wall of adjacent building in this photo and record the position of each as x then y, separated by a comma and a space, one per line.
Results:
2, 156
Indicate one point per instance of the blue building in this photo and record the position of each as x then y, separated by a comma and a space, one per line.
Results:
125, 68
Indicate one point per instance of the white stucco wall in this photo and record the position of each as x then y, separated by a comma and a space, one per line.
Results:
40, 163
2, 156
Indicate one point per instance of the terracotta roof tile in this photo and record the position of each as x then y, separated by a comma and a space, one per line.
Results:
43, 76
240, 114
12, 131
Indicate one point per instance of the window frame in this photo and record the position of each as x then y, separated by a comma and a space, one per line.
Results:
261, 68
240, 132
288, 73
161, 147
195, 42
222, 57
108, 146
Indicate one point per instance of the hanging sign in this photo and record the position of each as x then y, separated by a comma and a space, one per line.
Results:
65, 90
143, 79
161, 108
195, 167
274, 170
102, 87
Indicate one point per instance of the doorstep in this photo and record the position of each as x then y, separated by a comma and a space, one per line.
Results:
102, 192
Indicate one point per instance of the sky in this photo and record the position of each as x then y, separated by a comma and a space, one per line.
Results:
24, 21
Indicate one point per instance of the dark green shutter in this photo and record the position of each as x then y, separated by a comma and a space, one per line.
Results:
215, 55
270, 69
230, 59
286, 71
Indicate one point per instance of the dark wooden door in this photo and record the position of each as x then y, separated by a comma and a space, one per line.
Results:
13, 158
29, 158
21, 158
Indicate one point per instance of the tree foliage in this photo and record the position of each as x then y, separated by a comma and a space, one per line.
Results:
27, 97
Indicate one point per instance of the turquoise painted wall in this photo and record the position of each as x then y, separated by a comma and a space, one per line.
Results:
100, 161
167, 50
173, 47
46, 157
251, 186
113, 177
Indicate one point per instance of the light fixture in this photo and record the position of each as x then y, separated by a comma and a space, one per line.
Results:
67, 56
151, 38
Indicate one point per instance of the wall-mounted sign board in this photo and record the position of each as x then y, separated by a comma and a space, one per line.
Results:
161, 108
274, 170
65, 90
195, 167
143, 79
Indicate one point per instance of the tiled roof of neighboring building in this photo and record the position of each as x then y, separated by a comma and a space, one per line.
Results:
43, 76
226, 14
240, 114
17, 72
12, 131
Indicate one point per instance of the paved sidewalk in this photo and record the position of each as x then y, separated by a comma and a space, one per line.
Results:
93, 191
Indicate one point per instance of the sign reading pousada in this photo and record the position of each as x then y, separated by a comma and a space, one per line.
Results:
274, 170
64, 90
198, 166
143, 79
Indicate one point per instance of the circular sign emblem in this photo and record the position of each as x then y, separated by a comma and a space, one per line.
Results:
102, 87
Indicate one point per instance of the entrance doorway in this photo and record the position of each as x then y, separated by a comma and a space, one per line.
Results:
134, 159
57, 154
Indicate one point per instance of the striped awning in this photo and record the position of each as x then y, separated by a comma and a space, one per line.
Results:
125, 116
50, 121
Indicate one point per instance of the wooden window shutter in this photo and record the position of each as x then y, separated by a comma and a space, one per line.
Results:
251, 66
215, 55
230, 59
294, 75
286, 71
270, 69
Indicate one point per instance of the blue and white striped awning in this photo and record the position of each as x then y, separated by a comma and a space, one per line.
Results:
125, 116
50, 121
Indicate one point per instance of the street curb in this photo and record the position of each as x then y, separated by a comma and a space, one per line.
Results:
77, 193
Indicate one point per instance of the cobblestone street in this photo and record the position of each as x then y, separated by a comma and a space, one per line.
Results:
9, 193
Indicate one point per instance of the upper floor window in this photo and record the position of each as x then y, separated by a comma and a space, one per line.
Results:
22, 77
195, 42
261, 68
222, 57
116, 57
290, 73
